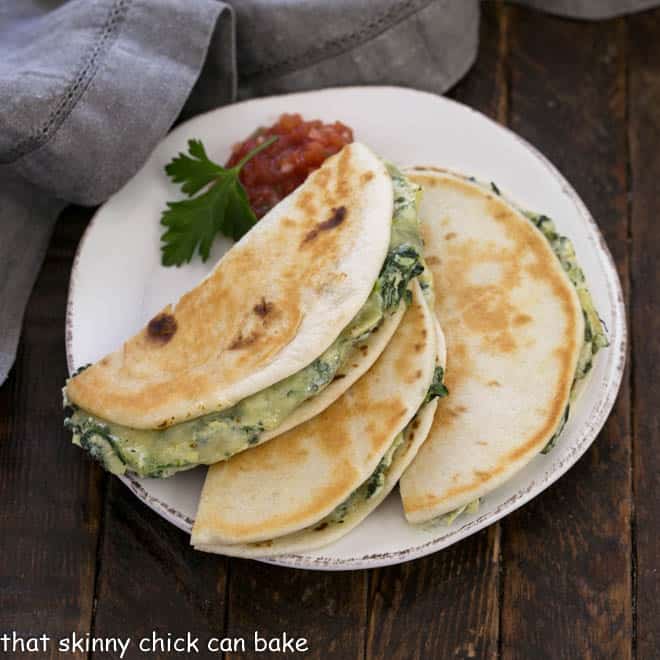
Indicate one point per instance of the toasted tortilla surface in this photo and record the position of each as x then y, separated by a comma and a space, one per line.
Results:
273, 303
514, 329
332, 528
296, 479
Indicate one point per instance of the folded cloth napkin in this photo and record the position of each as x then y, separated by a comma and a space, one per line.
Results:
88, 87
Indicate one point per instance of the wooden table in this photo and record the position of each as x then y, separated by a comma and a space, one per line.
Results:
574, 574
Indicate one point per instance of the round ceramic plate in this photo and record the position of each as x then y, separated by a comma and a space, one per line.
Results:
118, 284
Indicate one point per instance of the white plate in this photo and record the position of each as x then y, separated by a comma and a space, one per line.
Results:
117, 283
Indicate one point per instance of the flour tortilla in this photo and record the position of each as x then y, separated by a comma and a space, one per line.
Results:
274, 303
295, 480
514, 329
365, 356
315, 537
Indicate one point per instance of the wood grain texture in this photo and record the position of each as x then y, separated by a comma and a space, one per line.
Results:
49, 497
446, 605
328, 609
150, 579
485, 88
644, 130
441, 606
567, 554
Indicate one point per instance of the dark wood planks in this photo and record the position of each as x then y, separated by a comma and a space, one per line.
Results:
150, 579
485, 87
49, 495
567, 554
644, 123
446, 605
326, 608
442, 606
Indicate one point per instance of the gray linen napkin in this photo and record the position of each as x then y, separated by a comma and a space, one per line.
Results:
88, 87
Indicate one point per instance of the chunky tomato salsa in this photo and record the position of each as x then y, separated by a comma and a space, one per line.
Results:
301, 148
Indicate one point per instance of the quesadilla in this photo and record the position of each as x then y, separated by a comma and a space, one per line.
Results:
306, 299
521, 331
313, 484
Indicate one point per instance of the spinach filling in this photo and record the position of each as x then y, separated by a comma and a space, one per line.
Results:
437, 389
217, 436
448, 518
369, 488
594, 333
376, 481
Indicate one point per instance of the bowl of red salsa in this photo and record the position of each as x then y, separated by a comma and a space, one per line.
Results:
300, 148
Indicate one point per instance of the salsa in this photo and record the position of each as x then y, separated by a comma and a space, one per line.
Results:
278, 170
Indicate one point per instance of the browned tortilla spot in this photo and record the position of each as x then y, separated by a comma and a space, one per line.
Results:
263, 308
162, 327
338, 216
306, 203
242, 342
521, 319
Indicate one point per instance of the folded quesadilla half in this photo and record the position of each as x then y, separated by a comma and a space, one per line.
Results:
313, 484
521, 331
297, 310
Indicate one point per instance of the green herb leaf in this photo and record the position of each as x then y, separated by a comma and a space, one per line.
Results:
194, 171
192, 224
437, 389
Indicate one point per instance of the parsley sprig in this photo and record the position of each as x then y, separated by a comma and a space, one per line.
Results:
193, 223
